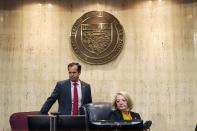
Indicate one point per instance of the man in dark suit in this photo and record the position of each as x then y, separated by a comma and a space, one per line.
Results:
69, 93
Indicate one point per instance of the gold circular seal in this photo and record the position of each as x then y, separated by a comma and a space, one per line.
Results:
97, 37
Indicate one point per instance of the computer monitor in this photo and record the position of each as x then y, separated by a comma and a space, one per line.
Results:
67, 123
40, 122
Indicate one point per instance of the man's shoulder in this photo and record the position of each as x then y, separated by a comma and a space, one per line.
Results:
68, 82
63, 81
84, 83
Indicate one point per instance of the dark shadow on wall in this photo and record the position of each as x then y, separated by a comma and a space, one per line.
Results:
14, 4
71, 5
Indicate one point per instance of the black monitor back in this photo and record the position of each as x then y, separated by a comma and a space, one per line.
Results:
39, 122
67, 123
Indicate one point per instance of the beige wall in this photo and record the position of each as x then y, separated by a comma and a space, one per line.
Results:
157, 66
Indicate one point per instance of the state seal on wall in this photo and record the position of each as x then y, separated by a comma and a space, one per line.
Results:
97, 37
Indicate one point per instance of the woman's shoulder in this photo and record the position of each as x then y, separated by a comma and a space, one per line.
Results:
115, 112
114, 115
134, 112
135, 115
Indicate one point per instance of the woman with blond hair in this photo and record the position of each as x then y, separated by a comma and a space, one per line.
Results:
122, 106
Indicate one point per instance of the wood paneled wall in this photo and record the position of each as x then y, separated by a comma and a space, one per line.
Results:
157, 66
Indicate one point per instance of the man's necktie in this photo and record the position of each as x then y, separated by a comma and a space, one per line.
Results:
75, 103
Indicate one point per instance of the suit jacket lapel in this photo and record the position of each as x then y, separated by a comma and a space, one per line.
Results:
68, 89
82, 92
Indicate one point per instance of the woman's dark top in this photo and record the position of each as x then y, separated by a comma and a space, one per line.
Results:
117, 116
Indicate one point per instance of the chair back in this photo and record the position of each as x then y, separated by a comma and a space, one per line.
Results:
98, 111
196, 128
18, 120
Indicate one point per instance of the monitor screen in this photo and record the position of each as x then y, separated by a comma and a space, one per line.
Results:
39, 122
67, 122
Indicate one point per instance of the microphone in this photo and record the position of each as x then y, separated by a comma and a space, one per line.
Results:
147, 125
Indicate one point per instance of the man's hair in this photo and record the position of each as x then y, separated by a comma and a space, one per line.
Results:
77, 64
127, 97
